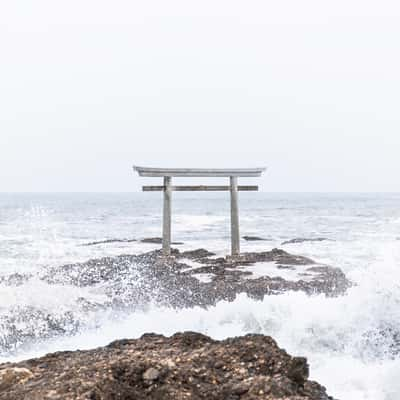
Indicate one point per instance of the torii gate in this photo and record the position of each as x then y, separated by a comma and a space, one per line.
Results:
167, 188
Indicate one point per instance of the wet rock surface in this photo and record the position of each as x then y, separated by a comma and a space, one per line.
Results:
157, 240
173, 282
254, 238
15, 279
303, 240
184, 366
107, 241
129, 283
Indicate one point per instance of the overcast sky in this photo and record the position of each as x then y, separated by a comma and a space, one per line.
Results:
310, 89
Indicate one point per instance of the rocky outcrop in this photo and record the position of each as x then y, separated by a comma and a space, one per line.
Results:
199, 254
173, 282
131, 282
15, 279
254, 238
157, 240
303, 240
184, 366
107, 241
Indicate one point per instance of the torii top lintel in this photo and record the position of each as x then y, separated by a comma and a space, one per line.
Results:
199, 172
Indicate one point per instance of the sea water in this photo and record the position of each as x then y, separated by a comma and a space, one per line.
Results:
352, 342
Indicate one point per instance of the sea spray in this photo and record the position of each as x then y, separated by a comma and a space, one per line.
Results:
330, 332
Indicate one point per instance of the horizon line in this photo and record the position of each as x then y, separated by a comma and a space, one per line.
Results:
140, 191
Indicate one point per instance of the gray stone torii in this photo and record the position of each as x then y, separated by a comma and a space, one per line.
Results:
167, 188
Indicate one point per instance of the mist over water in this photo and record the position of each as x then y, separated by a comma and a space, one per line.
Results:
352, 342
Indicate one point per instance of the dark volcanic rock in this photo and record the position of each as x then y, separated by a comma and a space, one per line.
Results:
131, 282
275, 255
139, 279
157, 240
196, 254
149, 277
24, 324
109, 241
15, 279
302, 240
254, 238
185, 366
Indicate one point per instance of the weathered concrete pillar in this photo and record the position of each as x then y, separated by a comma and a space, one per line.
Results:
167, 217
235, 238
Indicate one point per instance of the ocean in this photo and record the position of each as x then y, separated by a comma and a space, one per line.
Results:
352, 342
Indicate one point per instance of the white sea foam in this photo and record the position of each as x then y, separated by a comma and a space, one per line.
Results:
328, 331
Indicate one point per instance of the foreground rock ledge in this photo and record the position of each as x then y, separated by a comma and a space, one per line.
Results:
184, 366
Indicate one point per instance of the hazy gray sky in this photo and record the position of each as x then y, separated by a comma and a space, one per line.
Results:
90, 87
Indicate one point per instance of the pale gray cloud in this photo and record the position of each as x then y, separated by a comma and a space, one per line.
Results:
309, 88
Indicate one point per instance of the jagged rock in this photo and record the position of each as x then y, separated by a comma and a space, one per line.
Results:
196, 254
151, 374
109, 241
275, 255
254, 238
157, 240
132, 282
23, 325
302, 240
13, 376
186, 365
15, 279
154, 278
